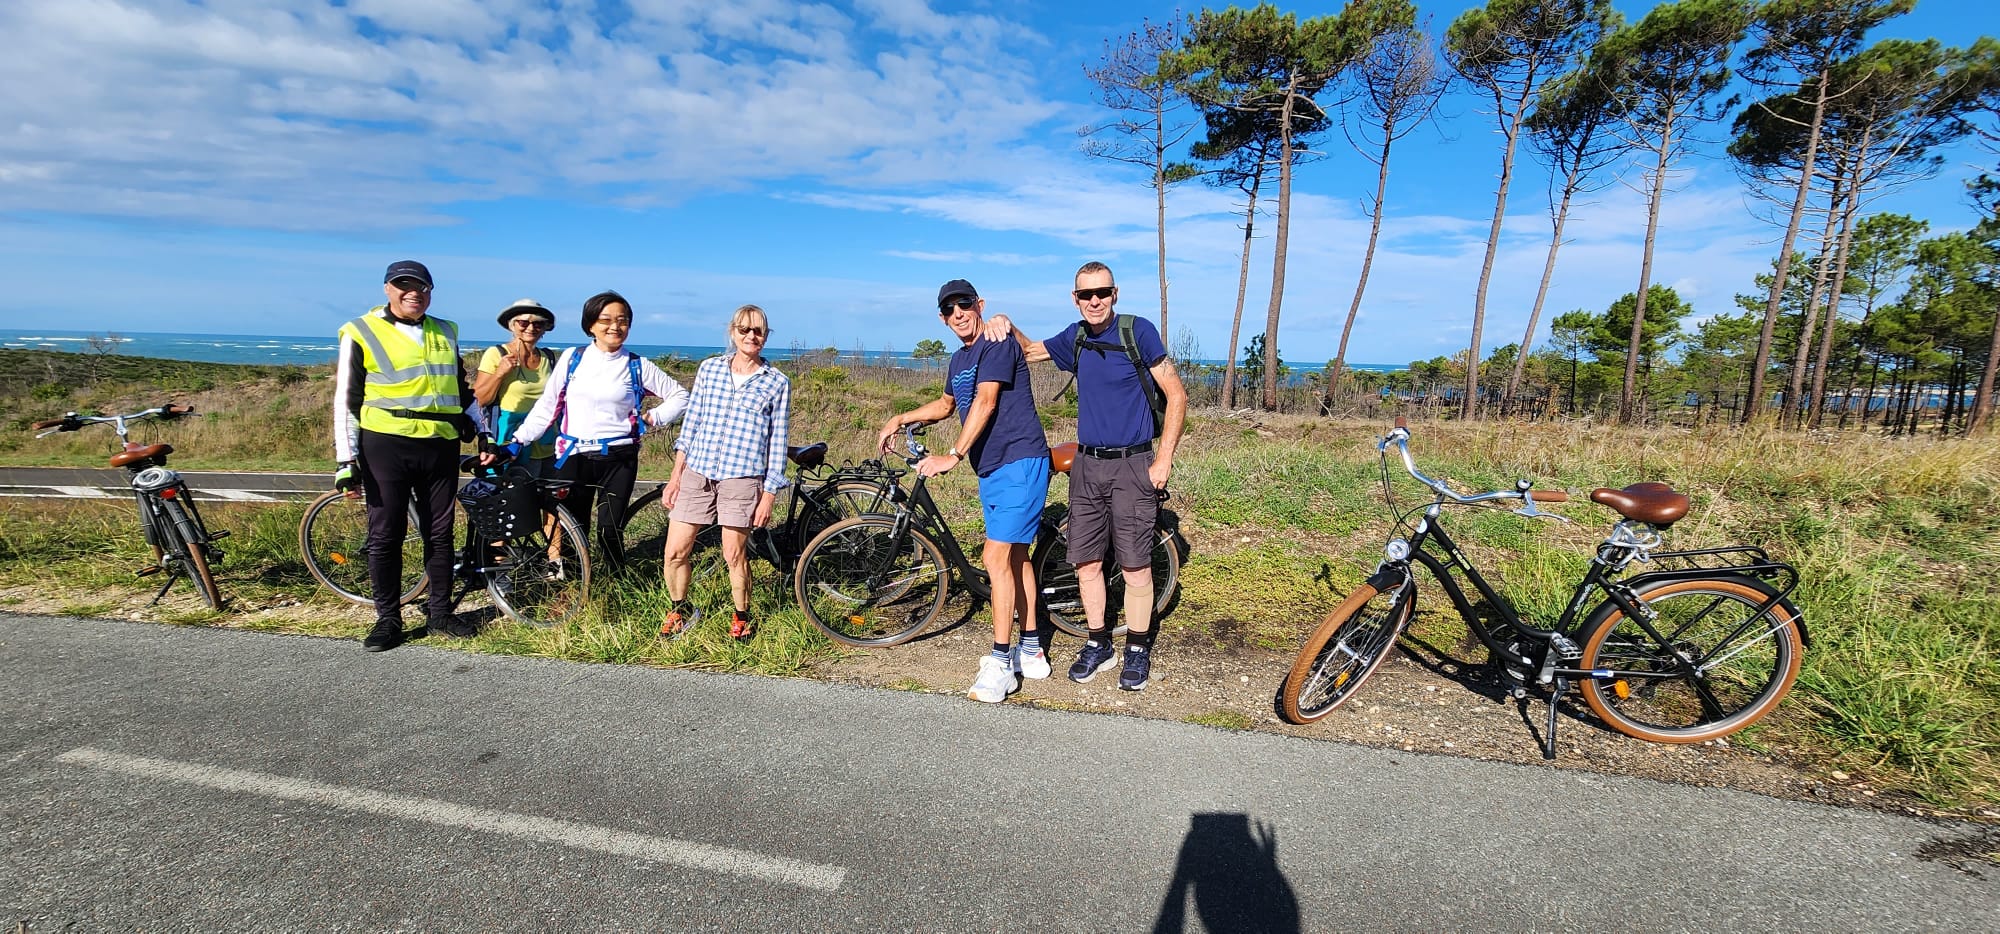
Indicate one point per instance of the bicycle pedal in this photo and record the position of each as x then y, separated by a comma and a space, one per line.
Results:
218, 536
148, 571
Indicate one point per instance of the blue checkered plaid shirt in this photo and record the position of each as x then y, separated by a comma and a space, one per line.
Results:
734, 432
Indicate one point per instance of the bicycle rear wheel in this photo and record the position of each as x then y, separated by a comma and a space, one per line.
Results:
540, 580
1346, 648
187, 546
1062, 599
1709, 665
863, 584
645, 532
333, 540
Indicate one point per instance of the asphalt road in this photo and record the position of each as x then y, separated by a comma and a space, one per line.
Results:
167, 778
98, 483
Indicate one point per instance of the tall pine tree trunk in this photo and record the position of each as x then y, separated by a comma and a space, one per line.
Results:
1833, 305
1242, 290
1541, 294
1658, 192
1982, 402
1160, 216
1763, 359
1794, 413
1470, 407
1278, 245
1367, 260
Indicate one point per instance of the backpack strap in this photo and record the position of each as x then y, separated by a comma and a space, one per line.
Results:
1156, 398
566, 443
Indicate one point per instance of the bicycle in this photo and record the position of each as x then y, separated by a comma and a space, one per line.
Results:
819, 497
182, 544
1699, 648
882, 579
531, 576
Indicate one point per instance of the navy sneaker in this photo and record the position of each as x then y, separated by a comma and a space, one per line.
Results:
1094, 658
1137, 671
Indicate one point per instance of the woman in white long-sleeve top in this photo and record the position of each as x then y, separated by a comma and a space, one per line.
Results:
594, 400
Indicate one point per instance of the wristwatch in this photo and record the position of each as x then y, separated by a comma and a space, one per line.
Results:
955, 455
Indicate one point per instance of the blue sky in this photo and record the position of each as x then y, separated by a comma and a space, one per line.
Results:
249, 166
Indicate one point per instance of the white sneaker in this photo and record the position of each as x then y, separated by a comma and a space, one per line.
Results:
996, 680
1034, 665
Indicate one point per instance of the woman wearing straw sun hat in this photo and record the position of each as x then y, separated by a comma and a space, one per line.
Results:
512, 376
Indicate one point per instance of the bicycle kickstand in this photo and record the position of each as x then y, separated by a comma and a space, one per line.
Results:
1556, 692
172, 575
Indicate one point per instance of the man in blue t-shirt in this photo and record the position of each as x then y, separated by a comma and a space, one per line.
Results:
987, 385
1117, 480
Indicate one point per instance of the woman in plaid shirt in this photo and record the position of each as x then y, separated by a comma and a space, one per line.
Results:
729, 465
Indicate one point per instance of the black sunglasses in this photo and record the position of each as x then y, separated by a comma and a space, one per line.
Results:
1084, 295
957, 304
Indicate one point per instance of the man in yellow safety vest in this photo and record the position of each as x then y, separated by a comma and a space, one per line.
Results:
401, 406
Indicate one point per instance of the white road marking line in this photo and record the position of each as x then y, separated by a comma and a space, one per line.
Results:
699, 856
81, 492
238, 495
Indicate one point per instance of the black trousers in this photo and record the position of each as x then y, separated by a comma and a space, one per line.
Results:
604, 479
396, 472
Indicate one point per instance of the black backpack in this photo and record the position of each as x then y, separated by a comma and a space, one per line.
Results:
1155, 396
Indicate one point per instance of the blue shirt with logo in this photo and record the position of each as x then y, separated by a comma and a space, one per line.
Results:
1111, 405
1014, 432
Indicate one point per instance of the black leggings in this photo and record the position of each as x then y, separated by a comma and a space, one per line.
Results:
395, 472
607, 479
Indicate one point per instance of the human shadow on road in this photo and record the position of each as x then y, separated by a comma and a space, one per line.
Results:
1229, 867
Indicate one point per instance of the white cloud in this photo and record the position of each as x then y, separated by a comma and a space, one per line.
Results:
316, 117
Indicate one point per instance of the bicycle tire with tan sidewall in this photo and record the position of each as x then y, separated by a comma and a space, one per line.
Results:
193, 553
1769, 679
1298, 704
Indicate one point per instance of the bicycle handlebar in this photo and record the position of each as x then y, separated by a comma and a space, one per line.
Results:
1400, 437
71, 421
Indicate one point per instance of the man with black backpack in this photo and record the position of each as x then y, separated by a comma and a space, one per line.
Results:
1128, 395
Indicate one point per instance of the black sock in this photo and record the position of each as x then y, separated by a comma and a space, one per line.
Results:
1140, 640
1099, 637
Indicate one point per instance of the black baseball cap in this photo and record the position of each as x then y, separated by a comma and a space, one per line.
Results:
954, 289
408, 269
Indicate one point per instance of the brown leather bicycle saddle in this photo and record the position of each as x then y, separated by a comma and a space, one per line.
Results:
1062, 456
1650, 502
135, 453
808, 457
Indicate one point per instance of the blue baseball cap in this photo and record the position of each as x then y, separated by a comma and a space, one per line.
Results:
408, 269
954, 289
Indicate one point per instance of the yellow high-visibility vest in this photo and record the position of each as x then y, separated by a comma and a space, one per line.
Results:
404, 375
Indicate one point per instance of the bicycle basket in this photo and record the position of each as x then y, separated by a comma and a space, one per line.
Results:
501, 510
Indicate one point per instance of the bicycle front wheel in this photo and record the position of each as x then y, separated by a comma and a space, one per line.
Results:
541, 579
1706, 665
186, 545
1062, 598
333, 540
863, 584
1346, 648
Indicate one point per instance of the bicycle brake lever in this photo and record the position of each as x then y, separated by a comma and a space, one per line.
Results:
1531, 512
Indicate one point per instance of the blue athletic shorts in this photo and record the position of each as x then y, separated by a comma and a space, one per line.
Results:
1011, 498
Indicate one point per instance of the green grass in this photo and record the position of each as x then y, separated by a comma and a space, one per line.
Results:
1894, 539
1220, 719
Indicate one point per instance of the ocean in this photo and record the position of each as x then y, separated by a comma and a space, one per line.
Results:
240, 348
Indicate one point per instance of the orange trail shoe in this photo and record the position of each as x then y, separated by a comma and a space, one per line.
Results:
740, 626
